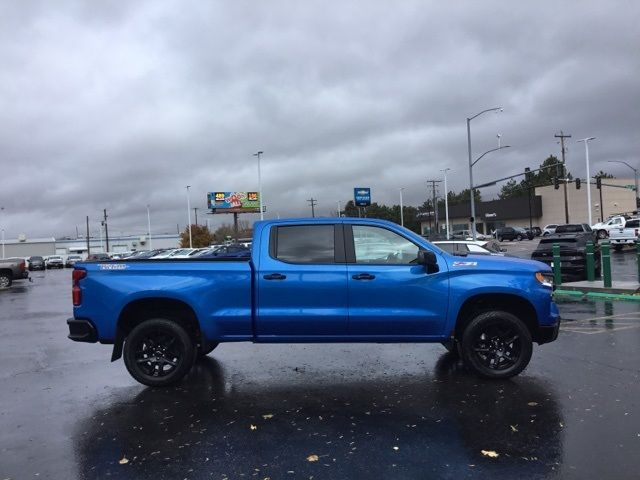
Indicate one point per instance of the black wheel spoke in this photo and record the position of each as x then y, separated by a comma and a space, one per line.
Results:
158, 354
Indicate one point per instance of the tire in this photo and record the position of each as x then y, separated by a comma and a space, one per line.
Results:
206, 348
159, 337
500, 239
602, 234
5, 280
496, 345
519, 238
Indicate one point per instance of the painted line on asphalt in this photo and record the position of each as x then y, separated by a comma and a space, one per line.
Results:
600, 329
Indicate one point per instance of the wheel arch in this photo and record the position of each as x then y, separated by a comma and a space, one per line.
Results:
519, 306
137, 311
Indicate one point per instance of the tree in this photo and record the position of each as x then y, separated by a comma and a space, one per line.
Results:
226, 230
200, 237
513, 189
463, 197
602, 174
549, 169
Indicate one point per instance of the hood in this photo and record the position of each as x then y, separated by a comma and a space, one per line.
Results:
490, 262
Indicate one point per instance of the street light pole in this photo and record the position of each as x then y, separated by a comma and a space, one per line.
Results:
149, 224
473, 203
635, 172
339, 209
446, 200
401, 212
259, 155
586, 152
189, 215
1, 211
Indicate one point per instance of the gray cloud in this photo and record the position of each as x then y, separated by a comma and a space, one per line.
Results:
118, 105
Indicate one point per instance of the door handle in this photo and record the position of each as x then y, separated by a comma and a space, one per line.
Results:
275, 276
363, 276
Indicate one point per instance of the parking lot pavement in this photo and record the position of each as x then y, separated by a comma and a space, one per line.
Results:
322, 411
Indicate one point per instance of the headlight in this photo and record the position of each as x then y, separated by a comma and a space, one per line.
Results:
546, 279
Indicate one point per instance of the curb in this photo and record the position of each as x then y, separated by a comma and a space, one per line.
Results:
597, 295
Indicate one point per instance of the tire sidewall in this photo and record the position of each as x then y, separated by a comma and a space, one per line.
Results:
166, 326
475, 328
6, 280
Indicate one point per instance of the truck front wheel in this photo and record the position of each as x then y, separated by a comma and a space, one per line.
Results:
159, 352
5, 280
496, 345
602, 234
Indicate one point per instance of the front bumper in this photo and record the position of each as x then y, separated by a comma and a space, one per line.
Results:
81, 330
548, 334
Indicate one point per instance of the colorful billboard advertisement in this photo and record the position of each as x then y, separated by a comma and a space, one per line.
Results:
234, 202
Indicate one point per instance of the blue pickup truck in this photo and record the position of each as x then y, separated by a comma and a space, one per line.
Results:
316, 280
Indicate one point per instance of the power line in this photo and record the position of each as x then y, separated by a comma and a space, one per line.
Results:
312, 202
562, 136
435, 206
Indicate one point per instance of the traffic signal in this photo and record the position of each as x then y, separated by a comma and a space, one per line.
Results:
556, 185
577, 184
527, 174
599, 183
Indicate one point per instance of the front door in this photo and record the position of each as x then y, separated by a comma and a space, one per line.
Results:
391, 295
302, 283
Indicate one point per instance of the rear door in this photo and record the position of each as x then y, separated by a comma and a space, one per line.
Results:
390, 295
302, 283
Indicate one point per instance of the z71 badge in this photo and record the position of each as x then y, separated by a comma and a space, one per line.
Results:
465, 264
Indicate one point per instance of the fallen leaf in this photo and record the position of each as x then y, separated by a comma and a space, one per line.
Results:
532, 404
253, 427
312, 458
513, 428
123, 461
267, 416
490, 453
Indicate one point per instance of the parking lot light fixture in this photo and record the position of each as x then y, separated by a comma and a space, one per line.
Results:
473, 205
446, 200
635, 171
149, 224
259, 155
586, 152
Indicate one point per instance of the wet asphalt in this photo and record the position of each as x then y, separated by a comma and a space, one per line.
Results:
317, 411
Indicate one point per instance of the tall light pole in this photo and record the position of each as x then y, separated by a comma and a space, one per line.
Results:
586, 152
259, 155
473, 203
635, 171
149, 224
401, 212
446, 199
1, 211
339, 209
189, 215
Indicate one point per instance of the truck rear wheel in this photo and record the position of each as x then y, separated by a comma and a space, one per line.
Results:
5, 280
496, 345
159, 352
602, 234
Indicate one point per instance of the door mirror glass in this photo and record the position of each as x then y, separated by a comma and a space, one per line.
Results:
428, 259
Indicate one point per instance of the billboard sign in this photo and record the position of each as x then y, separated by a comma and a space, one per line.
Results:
362, 196
234, 202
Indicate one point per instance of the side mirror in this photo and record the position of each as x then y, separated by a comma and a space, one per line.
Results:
429, 260
503, 250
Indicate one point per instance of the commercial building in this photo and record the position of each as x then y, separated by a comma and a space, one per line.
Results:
545, 206
26, 247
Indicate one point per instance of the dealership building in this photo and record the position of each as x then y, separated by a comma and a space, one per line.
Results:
544, 206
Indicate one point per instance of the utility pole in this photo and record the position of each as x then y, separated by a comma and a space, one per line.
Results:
313, 202
106, 229
435, 205
195, 210
562, 136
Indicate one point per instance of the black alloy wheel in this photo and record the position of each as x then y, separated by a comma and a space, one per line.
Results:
519, 237
5, 280
159, 352
497, 345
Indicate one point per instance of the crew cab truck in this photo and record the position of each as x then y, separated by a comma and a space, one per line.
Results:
628, 235
12, 269
316, 280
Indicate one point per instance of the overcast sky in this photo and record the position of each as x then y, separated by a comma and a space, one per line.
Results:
119, 104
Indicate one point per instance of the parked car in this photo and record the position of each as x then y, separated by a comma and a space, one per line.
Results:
573, 255
628, 235
54, 261
466, 235
98, 257
603, 229
535, 231
72, 260
549, 229
509, 233
12, 269
528, 234
36, 263
228, 251
579, 228
465, 247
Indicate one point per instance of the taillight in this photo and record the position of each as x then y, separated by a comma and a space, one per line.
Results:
76, 293
23, 266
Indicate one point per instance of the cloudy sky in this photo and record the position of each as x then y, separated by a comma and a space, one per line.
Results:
116, 104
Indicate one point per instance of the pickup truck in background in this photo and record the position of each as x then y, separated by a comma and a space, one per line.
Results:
12, 269
627, 235
314, 281
603, 229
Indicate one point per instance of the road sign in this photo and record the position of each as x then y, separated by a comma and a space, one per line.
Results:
362, 196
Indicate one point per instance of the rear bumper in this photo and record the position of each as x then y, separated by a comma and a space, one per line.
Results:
622, 241
81, 330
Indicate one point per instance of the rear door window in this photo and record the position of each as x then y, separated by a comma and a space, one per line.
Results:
305, 244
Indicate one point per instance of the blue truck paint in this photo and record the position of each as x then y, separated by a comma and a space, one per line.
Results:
235, 301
